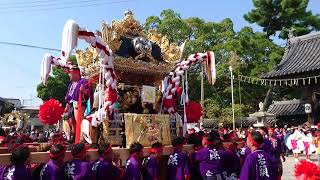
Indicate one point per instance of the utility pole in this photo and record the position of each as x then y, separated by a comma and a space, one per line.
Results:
232, 99
202, 91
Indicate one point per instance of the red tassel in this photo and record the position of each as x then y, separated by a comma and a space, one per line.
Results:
79, 119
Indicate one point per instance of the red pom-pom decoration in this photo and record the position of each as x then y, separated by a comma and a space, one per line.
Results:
194, 112
167, 103
307, 170
179, 91
50, 112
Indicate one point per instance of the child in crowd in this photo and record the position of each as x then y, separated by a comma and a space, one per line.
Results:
151, 164
294, 140
18, 169
103, 168
133, 166
78, 168
52, 170
258, 165
178, 163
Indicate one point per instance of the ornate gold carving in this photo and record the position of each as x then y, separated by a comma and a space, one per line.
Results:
88, 62
147, 129
126, 27
14, 117
111, 35
170, 51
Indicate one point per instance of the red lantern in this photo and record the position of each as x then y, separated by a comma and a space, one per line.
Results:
50, 112
194, 111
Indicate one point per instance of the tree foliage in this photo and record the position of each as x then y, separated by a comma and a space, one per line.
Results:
57, 85
250, 53
256, 55
282, 15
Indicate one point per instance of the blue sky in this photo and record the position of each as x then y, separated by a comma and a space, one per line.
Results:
20, 66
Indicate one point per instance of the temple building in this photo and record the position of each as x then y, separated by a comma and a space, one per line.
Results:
299, 68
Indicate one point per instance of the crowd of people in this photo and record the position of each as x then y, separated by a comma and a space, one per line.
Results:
218, 154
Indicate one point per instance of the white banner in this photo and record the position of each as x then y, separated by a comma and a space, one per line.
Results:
148, 94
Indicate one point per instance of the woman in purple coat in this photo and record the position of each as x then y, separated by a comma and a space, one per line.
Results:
133, 166
52, 170
17, 170
178, 163
258, 165
103, 168
78, 168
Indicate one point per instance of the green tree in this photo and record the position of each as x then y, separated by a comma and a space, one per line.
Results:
257, 54
57, 85
282, 15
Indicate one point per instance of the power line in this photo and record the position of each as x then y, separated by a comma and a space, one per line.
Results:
50, 4
29, 46
67, 7
27, 2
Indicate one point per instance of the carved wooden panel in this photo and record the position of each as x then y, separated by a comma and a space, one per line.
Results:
147, 129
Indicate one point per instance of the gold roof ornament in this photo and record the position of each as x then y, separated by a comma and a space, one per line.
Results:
130, 27
143, 43
126, 27
88, 62
170, 51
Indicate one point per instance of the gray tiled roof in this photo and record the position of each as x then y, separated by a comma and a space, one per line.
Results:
287, 108
302, 58
249, 121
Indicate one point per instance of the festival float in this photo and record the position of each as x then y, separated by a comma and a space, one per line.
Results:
138, 78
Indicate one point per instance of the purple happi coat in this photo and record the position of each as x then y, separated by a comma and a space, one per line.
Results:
77, 170
178, 165
209, 159
103, 169
244, 152
194, 167
73, 90
51, 171
276, 152
151, 168
133, 169
15, 172
258, 166
230, 163
267, 145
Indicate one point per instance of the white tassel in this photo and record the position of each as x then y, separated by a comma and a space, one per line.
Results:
85, 128
45, 68
213, 67
69, 39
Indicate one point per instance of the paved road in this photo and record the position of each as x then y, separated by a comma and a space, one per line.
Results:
288, 167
